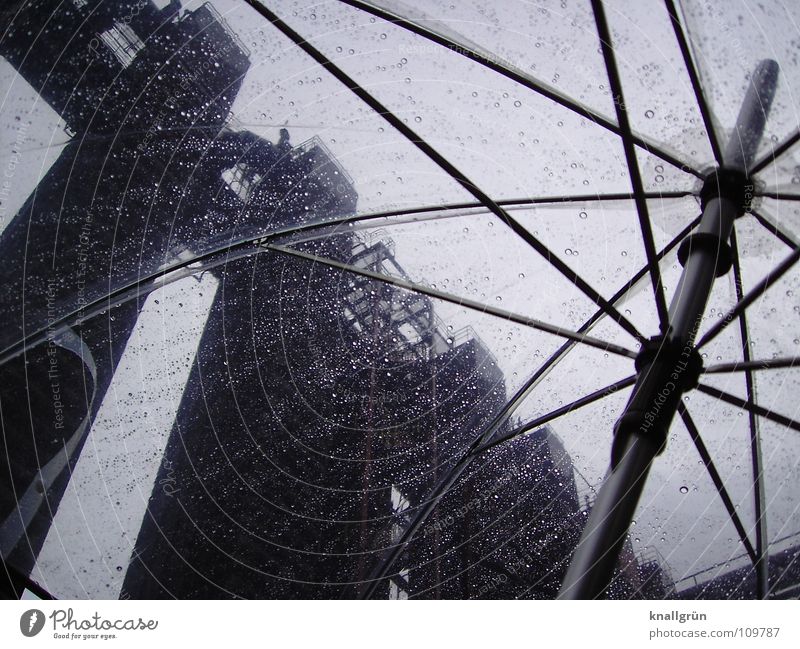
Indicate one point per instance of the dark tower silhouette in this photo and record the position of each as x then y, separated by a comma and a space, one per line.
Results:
144, 93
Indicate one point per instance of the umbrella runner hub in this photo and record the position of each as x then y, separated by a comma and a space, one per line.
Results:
737, 189
670, 369
731, 183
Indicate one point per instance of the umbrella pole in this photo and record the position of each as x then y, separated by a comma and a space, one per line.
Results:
669, 365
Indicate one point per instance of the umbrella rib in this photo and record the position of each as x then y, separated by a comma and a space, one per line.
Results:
776, 153
766, 364
749, 406
447, 167
578, 198
633, 165
137, 288
694, 77
518, 76
383, 568
752, 295
639, 275
132, 289
779, 197
762, 567
705, 456
774, 229
459, 301
506, 202
558, 412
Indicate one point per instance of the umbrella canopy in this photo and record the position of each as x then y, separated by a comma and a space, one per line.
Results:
355, 299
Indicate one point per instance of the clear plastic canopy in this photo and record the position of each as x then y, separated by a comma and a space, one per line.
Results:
342, 299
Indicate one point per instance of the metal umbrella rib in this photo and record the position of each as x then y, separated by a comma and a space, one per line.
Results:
779, 196
694, 77
776, 153
568, 408
519, 76
148, 282
459, 301
762, 567
765, 364
775, 229
751, 296
630, 155
705, 456
749, 406
448, 167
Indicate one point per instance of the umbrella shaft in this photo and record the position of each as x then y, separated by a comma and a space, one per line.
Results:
604, 536
699, 272
743, 145
669, 365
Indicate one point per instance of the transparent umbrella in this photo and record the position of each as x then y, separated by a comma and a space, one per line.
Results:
419, 300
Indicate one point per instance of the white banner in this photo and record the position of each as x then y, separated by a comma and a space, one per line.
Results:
386, 624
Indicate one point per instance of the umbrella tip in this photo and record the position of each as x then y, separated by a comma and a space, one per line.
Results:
767, 72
